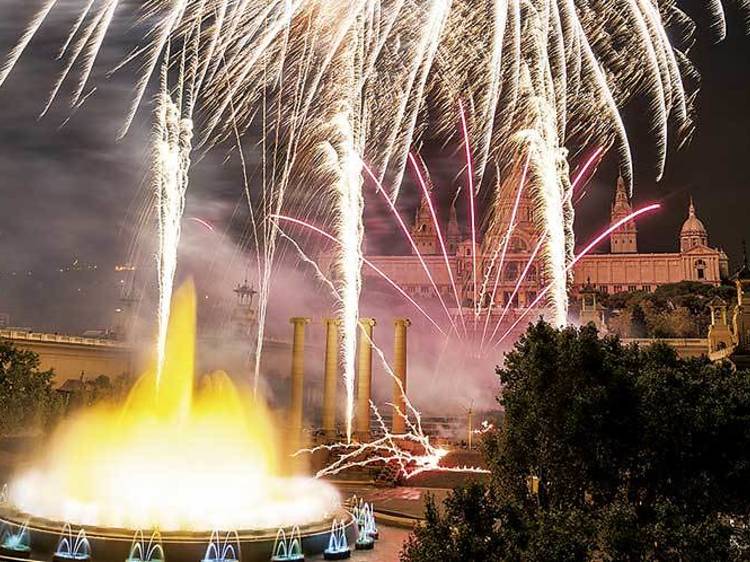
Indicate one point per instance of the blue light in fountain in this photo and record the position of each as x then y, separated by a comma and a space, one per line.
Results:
368, 520
288, 548
338, 546
364, 515
140, 551
16, 542
226, 551
70, 548
364, 540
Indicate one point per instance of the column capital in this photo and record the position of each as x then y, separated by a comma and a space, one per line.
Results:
405, 322
332, 321
297, 320
367, 322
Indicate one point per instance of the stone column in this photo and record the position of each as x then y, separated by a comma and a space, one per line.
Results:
399, 370
364, 379
298, 380
330, 378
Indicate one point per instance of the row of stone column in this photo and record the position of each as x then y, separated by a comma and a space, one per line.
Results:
364, 376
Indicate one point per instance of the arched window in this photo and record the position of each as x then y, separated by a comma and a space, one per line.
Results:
518, 245
531, 275
511, 272
700, 269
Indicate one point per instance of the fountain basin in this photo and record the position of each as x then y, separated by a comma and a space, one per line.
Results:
113, 545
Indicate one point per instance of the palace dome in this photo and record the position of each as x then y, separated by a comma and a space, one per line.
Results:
693, 225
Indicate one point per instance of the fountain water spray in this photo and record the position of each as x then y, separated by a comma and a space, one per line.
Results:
72, 547
338, 545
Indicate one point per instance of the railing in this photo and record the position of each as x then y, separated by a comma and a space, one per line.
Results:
23, 336
675, 342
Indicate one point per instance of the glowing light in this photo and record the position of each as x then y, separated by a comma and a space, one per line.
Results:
190, 459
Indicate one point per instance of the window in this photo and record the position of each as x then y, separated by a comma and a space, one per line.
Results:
618, 288
531, 275
632, 288
517, 245
530, 297
700, 269
604, 289
511, 272
647, 288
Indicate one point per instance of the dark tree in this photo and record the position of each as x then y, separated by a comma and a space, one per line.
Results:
608, 452
27, 398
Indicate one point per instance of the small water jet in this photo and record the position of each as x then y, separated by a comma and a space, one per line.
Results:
140, 551
15, 541
227, 550
72, 548
338, 545
288, 548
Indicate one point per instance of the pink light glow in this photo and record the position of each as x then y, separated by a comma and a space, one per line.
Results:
203, 223
523, 275
595, 157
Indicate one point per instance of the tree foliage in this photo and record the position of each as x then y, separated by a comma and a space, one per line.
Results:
640, 455
676, 310
27, 398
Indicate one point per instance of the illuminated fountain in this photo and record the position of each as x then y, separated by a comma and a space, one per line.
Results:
180, 458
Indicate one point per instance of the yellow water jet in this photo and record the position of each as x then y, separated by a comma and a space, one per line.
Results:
176, 457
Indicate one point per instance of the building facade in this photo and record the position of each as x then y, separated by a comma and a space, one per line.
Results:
516, 285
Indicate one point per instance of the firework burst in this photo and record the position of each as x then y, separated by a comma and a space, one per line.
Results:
334, 83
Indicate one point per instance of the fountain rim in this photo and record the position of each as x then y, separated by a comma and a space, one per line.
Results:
12, 516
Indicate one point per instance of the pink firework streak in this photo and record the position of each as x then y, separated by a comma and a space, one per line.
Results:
426, 192
583, 172
367, 262
506, 242
472, 211
575, 260
203, 223
518, 286
405, 229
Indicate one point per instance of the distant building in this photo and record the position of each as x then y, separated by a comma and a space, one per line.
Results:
623, 268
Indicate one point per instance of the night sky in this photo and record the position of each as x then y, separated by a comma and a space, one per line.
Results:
75, 192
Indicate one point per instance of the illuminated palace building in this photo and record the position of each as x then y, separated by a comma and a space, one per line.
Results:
623, 268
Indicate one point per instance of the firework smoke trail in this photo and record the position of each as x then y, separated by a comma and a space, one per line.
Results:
344, 146
173, 138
